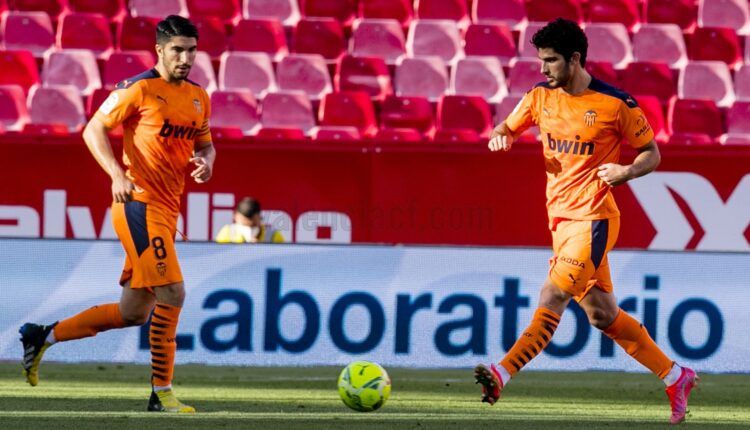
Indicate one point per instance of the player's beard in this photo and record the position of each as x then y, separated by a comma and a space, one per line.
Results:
561, 79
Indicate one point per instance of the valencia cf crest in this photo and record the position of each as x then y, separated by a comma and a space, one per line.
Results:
197, 104
161, 268
589, 118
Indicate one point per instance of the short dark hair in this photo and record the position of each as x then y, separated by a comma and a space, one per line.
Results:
174, 25
565, 37
248, 207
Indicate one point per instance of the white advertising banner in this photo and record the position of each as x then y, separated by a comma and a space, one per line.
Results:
301, 305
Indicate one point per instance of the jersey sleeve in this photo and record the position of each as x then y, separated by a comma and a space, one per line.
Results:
204, 134
523, 115
225, 235
277, 237
120, 105
633, 125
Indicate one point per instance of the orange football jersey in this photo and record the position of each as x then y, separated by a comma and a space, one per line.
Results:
163, 124
580, 133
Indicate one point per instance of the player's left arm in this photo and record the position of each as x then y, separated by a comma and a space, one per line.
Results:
645, 162
634, 127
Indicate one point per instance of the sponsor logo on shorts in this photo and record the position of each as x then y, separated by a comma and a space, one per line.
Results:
161, 268
572, 261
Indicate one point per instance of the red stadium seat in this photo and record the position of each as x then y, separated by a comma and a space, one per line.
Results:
46, 130
524, 74
738, 125
706, 80
227, 11
235, 109
649, 78
158, 9
654, 111
126, 64
624, 12
336, 133
398, 135
287, 110
247, 70
609, 42
341, 10
137, 34
378, 38
57, 104
286, 11
213, 35
53, 7
322, 36
479, 76
434, 37
350, 108
734, 14
661, 43
13, 113
304, 72
603, 71
282, 134
76, 67
545, 10
681, 12
715, 44
490, 39
421, 77
29, 31
400, 10
261, 35
368, 74
115, 10
742, 83
464, 113
510, 12
688, 118
202, 72
95, 100
525, 48
408, 113
19, 67
85, 31
454, 10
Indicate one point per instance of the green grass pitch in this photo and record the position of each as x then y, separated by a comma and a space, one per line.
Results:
113, 397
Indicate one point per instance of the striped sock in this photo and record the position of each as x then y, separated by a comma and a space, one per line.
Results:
532, 341
163, 346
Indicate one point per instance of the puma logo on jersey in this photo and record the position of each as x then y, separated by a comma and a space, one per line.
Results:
177, 131
570, 146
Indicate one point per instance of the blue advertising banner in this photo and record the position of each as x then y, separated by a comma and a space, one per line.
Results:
300, 305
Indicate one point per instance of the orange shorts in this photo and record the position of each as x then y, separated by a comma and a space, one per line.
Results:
147, 233
580, 261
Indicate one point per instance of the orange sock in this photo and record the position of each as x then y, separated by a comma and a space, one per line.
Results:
635, 340
89, 322
163, 345
532, 341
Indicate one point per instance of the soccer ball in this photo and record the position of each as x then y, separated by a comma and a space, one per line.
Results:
364, 386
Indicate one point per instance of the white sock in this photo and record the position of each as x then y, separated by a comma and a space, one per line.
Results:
51, 337
504, 375
673, 375
165, 388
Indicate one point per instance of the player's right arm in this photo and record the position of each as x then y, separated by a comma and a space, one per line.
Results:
518, 121
95, 136
121, 104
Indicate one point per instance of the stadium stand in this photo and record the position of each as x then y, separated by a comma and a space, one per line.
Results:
401, 53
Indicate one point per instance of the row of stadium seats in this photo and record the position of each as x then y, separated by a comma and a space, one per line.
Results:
609, 42
422, 76
686, 13
351, 115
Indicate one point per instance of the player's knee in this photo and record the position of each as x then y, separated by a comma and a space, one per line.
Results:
601, 318
135, 318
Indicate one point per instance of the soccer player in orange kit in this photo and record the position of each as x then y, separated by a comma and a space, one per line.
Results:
582, 121
166, 134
